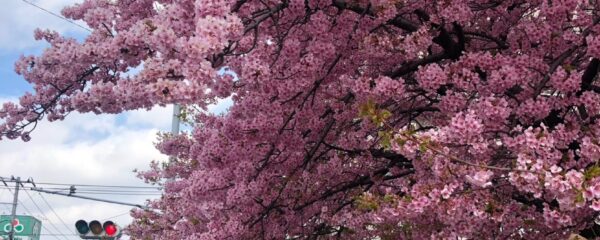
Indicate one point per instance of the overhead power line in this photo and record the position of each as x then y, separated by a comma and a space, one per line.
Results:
112, 217
57, 15
120, 194
95, 185
43, 226
55, 214
42, 212
103, 191
72, 190
88, 198
81, 190
100, 191
89, 186
3, 205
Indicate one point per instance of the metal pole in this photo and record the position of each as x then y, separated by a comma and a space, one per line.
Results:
174, 130
175, 122
14, 209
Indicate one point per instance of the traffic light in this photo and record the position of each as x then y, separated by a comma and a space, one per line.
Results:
95, 230
82, 227
110, 228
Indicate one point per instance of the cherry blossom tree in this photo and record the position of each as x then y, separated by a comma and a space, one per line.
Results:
351, 119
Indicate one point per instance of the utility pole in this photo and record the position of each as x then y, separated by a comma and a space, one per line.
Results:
14, 209
175, 129
175, 121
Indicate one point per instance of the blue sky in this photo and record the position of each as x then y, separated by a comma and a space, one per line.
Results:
18, 20
83, 149
10, 84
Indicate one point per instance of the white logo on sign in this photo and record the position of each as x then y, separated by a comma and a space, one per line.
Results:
18, 226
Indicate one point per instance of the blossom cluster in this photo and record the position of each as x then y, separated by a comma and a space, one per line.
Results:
350, 119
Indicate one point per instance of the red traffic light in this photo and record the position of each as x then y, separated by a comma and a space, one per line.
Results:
96, 230
110, 228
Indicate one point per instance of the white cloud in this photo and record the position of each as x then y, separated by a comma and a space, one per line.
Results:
19, 19
221, 106
156, 118
83, 149
86, 149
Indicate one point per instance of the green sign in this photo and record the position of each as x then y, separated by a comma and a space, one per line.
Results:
25, 227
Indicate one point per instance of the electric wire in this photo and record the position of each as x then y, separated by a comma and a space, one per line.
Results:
95, 185
83, 188
112, 217
41, 211
57, 15
30, 213
102, 191
55, 214
117, 190
86, 185
48, 234
119, 194
4, 206
115, 193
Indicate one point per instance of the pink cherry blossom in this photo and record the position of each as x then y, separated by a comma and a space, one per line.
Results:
481, 178
350, 119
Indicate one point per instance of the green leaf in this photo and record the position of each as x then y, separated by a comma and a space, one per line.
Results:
363, 110
385, 139
367, 109
385, 114
592, 172
410, 132
400, 141
579, 198
389, 198
366, 203
423, 146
